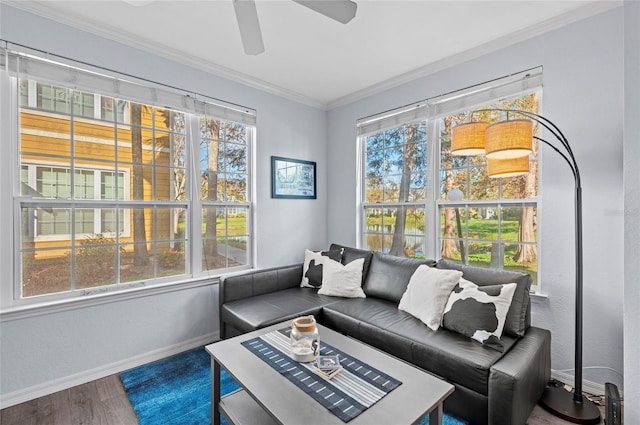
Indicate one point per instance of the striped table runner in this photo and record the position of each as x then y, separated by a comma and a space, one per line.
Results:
356, 388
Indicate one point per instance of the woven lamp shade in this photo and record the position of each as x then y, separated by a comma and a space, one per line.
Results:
509, 167
468, 139
509, 139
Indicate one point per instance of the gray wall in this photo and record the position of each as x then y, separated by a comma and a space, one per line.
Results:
583, 95
50, 349
632, 214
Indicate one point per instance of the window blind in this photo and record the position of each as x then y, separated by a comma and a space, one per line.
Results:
66, 73
394, 118
460, 100
469, 98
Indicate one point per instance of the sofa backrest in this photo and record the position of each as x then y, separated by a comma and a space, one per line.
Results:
258, 282
389, 275
519, 315
349, 254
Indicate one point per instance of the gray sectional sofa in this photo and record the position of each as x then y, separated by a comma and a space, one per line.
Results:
491, 387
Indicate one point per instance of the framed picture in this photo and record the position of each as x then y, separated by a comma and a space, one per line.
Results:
293, 178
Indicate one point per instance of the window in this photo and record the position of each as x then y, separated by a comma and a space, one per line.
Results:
115, 191
491, 222
394, 190
223, 191
420, 201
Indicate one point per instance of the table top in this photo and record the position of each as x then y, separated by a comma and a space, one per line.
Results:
419, 393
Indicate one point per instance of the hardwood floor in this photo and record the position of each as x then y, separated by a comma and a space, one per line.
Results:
101, 402
104, 402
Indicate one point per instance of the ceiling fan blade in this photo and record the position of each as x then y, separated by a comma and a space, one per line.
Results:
249, 26
340, 10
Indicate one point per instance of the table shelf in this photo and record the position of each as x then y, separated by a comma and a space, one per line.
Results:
240, 409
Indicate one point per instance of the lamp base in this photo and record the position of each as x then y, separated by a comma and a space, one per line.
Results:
561, 403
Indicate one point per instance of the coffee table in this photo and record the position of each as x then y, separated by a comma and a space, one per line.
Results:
267, 397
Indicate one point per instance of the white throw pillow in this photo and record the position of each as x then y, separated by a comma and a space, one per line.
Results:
342, 280
427, 294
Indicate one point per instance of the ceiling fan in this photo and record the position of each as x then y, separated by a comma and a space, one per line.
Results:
342, 11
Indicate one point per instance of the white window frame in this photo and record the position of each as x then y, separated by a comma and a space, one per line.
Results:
424, 204
145, 92
431, 110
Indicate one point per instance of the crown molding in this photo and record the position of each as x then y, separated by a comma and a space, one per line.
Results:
556, 22
45, 11
594, 8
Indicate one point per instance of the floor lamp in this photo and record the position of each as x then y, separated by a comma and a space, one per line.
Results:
507, 145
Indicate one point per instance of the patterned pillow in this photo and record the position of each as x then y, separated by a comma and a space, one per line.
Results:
479, 312
312, 268
427, 294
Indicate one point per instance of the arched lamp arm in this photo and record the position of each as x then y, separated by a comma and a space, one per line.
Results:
563, 155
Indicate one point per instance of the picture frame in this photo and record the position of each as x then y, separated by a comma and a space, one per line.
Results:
293, 178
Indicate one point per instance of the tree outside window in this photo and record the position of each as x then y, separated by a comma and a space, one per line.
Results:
395, 190
477, 220
494, 221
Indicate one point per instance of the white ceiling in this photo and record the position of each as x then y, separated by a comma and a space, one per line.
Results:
311, 58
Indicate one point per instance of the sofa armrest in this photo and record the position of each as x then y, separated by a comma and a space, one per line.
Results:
259, 282
517, 381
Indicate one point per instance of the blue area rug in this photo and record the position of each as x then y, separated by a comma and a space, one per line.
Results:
177, 390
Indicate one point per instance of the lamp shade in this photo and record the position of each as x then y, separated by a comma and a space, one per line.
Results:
468, 139
509, 139
509, 167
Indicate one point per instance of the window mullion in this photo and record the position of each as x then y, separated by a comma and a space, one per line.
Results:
433, 182
193, 193
97, 186
361, 186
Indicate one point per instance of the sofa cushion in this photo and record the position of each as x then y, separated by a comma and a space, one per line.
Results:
427, 294
517, 320
479, 312
342, 280
313, 266
447, 354
249, 314
349, 254
389, 276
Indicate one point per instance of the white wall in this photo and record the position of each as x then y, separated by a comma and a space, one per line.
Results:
51, 350
583, 95
632, 214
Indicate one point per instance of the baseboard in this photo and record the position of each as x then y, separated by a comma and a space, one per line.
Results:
587, 386
50, 387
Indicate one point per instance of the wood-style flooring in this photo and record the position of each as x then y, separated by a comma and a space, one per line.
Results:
104, 402
101, 402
